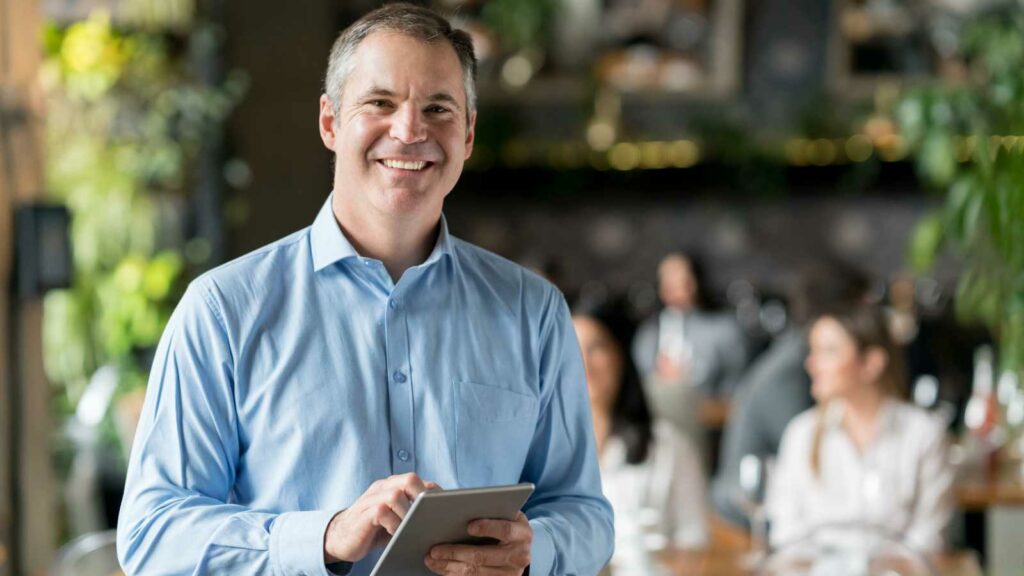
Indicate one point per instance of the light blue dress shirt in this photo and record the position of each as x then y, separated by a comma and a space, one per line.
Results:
290, 379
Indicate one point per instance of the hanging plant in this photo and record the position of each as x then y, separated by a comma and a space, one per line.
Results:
968, 142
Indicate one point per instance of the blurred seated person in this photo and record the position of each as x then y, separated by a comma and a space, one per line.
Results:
684, 352
862, 458
776, 388
651, 474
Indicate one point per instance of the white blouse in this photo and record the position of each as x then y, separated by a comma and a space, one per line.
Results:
667, 491
900, 486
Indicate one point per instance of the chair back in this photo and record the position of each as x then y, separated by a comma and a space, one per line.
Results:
92, 554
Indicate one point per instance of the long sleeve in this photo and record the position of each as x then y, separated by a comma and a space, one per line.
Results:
571, 520
645, 347
775, 390
176, 516
933, 506
734, 354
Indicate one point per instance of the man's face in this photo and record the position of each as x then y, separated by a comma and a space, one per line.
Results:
400, 134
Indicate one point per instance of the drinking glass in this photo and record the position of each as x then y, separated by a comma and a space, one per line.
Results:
753, 482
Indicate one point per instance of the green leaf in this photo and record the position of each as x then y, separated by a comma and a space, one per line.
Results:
925, 243
938, 158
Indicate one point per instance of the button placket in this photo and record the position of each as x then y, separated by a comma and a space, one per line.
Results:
400, 396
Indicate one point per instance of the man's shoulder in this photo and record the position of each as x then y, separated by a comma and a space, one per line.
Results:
259, 268
499, 273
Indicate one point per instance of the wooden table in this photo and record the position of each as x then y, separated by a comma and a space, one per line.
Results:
997, 496
725, 555
980, 490
730, 563
714, 413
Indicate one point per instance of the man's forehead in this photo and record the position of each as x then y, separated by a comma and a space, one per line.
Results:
384, 58
405, 46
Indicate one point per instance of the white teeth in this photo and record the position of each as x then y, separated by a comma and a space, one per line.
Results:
404, 165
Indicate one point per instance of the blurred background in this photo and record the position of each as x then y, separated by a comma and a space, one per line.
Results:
143, 142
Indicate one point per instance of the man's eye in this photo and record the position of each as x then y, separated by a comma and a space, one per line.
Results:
436, 109
380, 103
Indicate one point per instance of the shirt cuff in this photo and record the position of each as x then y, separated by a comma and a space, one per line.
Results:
297, 542
340, 568
542, 550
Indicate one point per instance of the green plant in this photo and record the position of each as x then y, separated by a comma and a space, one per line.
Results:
968, 141
125, 120
519, 23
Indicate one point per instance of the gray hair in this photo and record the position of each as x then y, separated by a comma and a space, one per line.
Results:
414, 21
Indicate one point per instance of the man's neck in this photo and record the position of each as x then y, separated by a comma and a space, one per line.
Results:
399, 244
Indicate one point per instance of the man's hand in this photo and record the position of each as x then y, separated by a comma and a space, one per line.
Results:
372, 519
511, 555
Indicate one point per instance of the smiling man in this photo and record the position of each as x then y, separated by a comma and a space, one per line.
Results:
304, 394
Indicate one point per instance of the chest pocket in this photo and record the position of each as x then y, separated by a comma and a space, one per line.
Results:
493, 430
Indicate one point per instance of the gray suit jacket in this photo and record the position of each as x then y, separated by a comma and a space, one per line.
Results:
720, 351
774, 391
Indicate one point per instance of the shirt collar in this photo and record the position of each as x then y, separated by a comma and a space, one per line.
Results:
886, 419
329, 244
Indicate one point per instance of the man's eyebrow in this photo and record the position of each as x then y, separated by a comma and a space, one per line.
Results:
377, 91
445, 97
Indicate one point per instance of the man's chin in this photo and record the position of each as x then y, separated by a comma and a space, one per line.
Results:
409, 202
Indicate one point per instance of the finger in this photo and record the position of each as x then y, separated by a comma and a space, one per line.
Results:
382, 515
433, 486
456, 568
411, 484
482, 555
503, 530
397, 501
435, 566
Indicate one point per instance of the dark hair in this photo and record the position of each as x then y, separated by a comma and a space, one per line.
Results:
824, 285
631, 416
865, 324
408, 19
698, 270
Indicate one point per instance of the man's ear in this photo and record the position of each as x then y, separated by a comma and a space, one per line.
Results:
470, 134
326, 122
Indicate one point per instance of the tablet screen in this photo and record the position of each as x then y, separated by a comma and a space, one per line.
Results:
441, 517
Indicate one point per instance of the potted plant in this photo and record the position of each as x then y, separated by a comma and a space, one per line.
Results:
967, 139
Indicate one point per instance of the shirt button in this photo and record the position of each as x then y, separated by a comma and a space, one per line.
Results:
393, 303
403, 455
368, 262
399, 376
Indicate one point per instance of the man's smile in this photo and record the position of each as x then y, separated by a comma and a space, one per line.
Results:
409, 165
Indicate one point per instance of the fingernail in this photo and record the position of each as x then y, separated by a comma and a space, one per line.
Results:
473, 529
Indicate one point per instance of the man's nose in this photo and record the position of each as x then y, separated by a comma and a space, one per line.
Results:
407, 125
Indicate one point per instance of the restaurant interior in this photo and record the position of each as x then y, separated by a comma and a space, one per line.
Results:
722, 165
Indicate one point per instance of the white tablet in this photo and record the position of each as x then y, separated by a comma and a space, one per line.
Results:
441, 517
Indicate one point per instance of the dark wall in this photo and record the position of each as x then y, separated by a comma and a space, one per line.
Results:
284, 50
596, 225
614, 228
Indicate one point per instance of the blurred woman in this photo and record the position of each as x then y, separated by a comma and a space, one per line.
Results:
651, 475
862, 460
